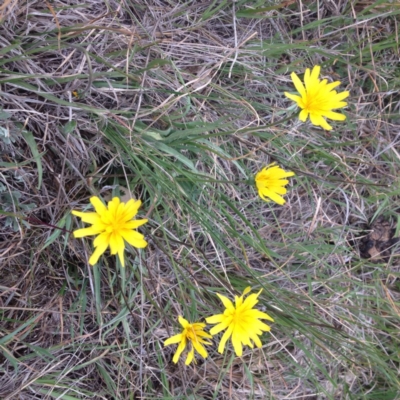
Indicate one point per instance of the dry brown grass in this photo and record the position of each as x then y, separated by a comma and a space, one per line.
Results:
99, 87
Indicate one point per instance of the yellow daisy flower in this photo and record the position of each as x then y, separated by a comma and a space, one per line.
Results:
270, 183
317, 98
241, 321
193, 333
113, 225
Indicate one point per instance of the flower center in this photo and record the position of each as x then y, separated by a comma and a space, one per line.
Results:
191, 333
236, 315
309, 104
264, 178
113, 226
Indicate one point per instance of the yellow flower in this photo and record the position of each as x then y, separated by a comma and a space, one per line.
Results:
192, 333
241, 321
270, 183
113, 225
318, 98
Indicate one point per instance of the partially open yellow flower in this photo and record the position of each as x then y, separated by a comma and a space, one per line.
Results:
317, 98
270, 183
241, 321
193, 334
114, 225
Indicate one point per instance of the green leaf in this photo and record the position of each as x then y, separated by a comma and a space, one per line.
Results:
158, 62
43, 353
169, 150
13, 361
58, 395
97, 292
30, 140
11, 336
383, 395
69, 127
56, 233
256, 12
4, 114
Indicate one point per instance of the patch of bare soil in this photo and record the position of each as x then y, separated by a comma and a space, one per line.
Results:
379, 243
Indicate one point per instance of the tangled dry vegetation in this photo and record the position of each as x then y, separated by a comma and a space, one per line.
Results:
179, 104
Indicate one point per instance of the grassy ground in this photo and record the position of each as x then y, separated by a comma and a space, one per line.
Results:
179, 104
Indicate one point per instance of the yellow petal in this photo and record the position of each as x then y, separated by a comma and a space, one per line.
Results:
198, 326
131, 209
248, 290
98, 205
237, 345
88, 217
294, 97
281, 173
113, 206
243, 331
190, 357
278, 189
220, 327
179, 350
226, 302
134, 224
107, 218
119, 213
251, 300
121, 255
256, 340
258, 314
266, 194
307, 76
224, 339
215, 319
298, 84
342, 95
318, 120
263, 327
200, 349
102, 240
303, 115
315, 72
99, 250
332, 85
90, 231
183, 321
134, 238
202, 334
238, 301
116, 243
173, 339
335, 116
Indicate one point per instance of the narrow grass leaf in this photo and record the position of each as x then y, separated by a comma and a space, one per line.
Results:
57, 232
30, 140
